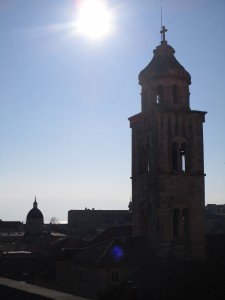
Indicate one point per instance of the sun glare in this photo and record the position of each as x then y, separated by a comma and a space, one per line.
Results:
94, 19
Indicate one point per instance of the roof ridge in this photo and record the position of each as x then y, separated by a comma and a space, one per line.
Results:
89, 245
104, 252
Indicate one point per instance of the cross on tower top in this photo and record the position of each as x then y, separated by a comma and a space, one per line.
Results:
163, 31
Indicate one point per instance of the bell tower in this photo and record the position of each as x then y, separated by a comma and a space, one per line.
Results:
167, 159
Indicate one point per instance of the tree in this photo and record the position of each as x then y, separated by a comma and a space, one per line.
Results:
54, 220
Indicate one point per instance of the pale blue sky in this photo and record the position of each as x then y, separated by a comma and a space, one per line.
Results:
65, 99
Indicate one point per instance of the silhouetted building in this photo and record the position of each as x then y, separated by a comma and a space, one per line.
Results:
9, 227
35, 221
215, 218
89, 222
167, 159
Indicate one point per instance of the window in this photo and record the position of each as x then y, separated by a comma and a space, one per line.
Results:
186, 224
175, 94
181, 226
174, 157
144, 98
114, 276
143, 221
176, 214
82, 275
183, 157
144, 160
179, 157
160, 95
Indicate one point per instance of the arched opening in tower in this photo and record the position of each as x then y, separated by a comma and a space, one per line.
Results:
183, 152
160, 94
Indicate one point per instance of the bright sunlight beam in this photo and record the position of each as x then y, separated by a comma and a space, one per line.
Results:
94, 19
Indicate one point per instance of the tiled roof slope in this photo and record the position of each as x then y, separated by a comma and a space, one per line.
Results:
111, 232
117, 252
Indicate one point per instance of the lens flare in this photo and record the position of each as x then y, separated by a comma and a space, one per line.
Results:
117, 253
94, 19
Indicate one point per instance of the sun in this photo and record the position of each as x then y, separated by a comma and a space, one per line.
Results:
94, 19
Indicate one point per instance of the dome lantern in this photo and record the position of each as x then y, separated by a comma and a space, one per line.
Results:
165, 74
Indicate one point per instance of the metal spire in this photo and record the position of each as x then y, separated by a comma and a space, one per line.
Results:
163, 30
161, 17
35, 202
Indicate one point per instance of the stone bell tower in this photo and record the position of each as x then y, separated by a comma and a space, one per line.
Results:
167, 159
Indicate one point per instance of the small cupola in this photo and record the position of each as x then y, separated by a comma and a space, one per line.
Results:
34, 221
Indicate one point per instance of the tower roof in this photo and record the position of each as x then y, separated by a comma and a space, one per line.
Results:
164, 64
35, 213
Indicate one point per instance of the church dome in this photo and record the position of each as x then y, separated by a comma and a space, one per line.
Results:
164, 65
35, 213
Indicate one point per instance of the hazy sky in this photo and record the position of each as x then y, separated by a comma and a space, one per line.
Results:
65, 99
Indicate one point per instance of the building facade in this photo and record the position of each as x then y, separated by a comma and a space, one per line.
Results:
167, 159
89, 222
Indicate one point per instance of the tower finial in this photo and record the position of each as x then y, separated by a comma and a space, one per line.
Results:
163, 35
35, 202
